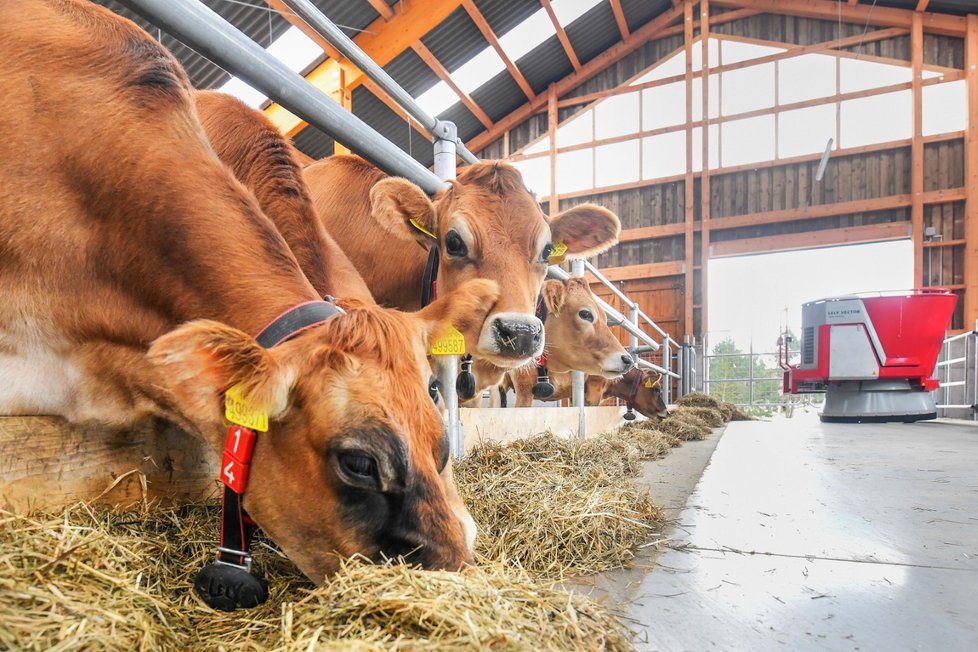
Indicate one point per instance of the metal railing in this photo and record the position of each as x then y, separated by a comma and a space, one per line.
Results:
957, 372
756, 383
208, 33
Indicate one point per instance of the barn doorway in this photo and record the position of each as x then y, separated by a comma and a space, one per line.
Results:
753, 299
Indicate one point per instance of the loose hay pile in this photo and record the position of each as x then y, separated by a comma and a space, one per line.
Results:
92, 578
729, 411
557, 507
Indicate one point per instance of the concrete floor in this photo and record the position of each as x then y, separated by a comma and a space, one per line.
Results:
803, 535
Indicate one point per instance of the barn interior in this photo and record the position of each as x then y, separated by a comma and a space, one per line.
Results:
822, 125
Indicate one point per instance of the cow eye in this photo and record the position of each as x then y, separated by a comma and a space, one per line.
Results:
454, 245
586, 315
359, 466
434, 386
545, 254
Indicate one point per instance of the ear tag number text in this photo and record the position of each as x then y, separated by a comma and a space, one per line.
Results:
238, 410
451, 343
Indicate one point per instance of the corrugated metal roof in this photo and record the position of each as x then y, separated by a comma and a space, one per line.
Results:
313, 142
455, 40
639, 12
959, 7
544, 64
391, 126
593, 32
257, 22
498, 97
504, 15
352, 16
413, 74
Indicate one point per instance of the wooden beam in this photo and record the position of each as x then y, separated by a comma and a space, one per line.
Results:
343, 70
443, 74
787, 54
971, 175
620, 18
382, 41
832, 10
645, 271
851, 2
922, 5
795, 214
396, 108
862, 149
382, 8
562, 35
483, 25
571, 81
917, 150
705, 195
729, 17
812, 239
689, 260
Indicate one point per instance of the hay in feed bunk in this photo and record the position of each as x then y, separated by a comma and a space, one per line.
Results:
95, 578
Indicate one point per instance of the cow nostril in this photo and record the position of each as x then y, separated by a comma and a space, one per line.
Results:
503, 330
627, 360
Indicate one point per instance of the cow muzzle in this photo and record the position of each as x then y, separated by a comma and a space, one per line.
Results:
617, 364
510, 338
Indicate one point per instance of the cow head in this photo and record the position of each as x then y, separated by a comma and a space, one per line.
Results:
578, 337
648, 400
488, 225
356, 457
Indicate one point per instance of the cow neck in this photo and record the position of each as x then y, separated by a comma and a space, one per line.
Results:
228, 583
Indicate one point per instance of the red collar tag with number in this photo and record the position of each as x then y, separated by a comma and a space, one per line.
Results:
236, 461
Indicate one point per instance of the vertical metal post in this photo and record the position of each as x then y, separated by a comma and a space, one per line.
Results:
633, 317
577, 377
667, 364
447, 365
750, 375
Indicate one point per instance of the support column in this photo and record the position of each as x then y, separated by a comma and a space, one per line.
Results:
577, 377
688, 182
705, 175
447, 365
971, 174
917, 149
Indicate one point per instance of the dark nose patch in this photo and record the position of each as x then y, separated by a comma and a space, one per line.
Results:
517, 339
627, 361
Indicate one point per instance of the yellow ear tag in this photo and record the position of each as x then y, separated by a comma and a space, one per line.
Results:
648, 383
557, 255
416, 224
237, 410
451, 343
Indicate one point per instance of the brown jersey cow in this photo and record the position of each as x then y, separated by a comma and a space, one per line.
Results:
642, 388
485, 225
135, 270
270, 167
578, 339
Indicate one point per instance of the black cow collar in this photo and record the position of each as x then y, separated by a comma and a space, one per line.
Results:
228, 583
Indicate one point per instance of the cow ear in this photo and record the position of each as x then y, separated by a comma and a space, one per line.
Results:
199, 361
554, 294
404, 211
587, 230
465, 308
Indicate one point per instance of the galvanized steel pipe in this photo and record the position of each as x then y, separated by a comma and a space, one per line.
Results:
326, 28
209, 34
